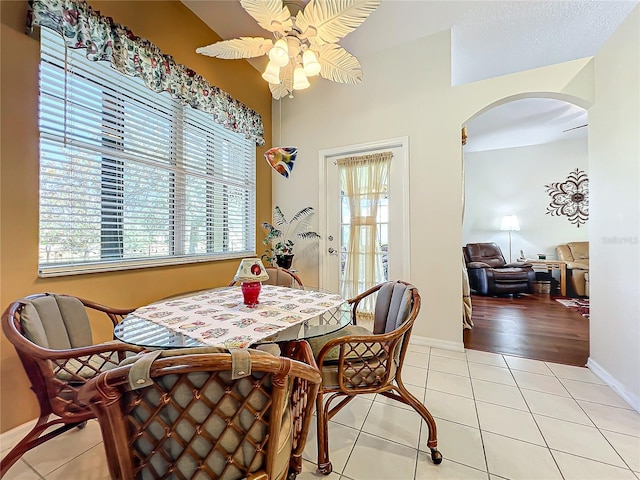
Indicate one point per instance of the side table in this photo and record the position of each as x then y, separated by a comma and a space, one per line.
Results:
553, 265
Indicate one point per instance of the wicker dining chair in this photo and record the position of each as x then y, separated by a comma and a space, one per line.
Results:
281, 277
206, 415
356, 361
52, 336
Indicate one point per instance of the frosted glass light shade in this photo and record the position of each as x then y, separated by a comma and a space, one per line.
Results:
510, 223
300, 81
272, 73
279, 53
310, 62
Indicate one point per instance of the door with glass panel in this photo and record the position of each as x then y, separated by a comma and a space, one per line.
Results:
366, 227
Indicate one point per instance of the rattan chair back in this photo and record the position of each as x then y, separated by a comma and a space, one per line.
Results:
52, 337
195, 420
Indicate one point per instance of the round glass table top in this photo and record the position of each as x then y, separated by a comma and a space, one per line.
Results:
146, 333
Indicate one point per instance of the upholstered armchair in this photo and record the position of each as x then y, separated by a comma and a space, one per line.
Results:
576, 256
490, 274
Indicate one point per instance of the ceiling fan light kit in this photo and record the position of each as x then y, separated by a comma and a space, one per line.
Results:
279, 53
305, 44
272, 73
310, 63
300, 81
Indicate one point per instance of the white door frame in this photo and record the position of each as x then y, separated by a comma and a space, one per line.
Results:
401, 182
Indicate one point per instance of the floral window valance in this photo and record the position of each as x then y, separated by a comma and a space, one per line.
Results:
105, 40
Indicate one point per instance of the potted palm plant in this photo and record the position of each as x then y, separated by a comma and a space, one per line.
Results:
282, 233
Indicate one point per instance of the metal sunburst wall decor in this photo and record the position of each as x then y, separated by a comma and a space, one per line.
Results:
570, 198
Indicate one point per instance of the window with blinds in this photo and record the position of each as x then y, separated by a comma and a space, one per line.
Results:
131, 178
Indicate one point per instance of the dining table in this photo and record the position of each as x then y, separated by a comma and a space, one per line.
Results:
218, 317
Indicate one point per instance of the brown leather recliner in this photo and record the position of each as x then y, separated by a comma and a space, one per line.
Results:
490, 274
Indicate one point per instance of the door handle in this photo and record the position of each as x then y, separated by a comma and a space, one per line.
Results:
332, 251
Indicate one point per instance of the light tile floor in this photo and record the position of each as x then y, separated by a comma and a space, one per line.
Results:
498, 417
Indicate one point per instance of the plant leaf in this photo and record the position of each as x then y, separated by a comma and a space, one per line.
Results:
327, 21
308, 235
271, 15
243, 47
278, 217
302, 221
285, 87
273, 233
305, 212
339, 65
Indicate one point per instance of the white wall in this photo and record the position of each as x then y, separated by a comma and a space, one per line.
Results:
511, 181
614, 164
407, 92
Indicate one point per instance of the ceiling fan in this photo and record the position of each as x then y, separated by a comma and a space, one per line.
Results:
305, 42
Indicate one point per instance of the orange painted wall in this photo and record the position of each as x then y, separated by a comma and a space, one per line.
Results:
177, 31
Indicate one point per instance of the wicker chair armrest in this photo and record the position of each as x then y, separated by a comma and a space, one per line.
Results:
114, 346
300, 350
356, 300
114, 314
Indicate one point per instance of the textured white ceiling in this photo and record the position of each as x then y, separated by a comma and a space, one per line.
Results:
489, 38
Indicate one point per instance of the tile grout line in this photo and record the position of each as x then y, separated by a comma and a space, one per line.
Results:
575, 423
555, 461
475, 406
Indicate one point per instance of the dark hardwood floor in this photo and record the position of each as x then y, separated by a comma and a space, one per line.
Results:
530, 326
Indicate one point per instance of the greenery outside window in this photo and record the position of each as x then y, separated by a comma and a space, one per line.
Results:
132, 178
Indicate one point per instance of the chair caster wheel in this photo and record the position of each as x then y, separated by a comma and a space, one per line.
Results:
325, 468
80, 426
292, 474
436, 456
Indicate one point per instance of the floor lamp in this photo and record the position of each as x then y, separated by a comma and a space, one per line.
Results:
510, 224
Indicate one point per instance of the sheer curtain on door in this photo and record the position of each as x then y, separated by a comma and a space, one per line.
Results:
364, 183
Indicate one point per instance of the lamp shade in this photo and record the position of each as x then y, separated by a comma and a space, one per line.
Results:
272, 73
251, 270
279, 53
510, 223
300, 81
310, 62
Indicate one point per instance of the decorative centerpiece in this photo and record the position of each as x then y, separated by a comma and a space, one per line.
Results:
281, 235
251, 273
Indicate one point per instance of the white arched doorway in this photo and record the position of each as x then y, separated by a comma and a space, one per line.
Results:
516, 147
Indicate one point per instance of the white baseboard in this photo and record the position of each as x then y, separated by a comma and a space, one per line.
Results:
437, 343
629, 397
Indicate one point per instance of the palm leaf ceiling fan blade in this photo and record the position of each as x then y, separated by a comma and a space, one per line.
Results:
310, 41
243, 47
271, 15
339, 65
327, 21
285, 87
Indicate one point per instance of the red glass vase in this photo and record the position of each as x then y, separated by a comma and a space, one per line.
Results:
250, 292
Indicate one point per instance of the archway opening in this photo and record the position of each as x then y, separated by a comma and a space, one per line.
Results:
516, 148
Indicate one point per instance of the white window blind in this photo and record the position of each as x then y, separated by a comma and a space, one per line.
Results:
131, 178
